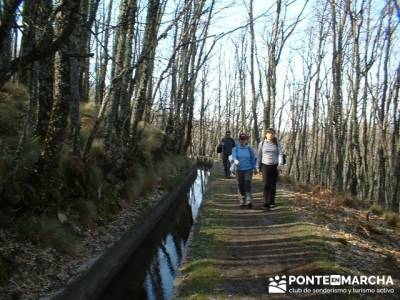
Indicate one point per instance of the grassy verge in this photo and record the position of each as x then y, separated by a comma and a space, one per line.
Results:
201, 273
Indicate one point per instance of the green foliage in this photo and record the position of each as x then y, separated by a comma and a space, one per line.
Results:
201, 277
376, 209
392, 219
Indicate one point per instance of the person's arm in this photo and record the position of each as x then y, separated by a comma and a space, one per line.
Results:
234, 158
280, 154
259, 155
255, 160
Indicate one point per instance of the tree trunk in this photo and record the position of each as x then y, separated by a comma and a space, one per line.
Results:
62, 95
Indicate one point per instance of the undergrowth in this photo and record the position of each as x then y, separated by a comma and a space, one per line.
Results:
85, 191
335, 199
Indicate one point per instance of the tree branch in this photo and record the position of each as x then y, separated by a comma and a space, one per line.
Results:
42, 50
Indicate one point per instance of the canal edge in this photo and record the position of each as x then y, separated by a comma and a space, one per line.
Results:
99, 270
187, 257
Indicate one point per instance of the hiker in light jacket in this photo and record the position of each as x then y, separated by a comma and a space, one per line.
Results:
244, 158
269, 157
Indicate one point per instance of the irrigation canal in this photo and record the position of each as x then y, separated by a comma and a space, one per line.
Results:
152, 268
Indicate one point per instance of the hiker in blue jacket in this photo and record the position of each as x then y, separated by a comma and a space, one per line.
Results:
244, 158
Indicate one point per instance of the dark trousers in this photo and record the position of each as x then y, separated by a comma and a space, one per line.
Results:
270, 176
226, 163
244, 181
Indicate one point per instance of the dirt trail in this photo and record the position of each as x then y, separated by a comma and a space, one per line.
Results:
246, 247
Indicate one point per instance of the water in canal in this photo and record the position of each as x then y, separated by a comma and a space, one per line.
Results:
152, 269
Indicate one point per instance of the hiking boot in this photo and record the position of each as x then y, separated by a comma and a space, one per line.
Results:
248, 200
243, 202
266, 207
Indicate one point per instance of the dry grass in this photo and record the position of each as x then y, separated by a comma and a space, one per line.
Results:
83, 188
151, 139
376, 209
97, 150
89, 109
13, 104
53, 234
87, 212
392, 219
94, 180
88, 116
285, 179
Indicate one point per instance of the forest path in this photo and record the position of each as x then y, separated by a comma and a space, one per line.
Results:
234, 251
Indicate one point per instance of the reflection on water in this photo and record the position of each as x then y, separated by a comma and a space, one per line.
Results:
151, 272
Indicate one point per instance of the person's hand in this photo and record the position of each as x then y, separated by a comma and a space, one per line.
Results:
236, 162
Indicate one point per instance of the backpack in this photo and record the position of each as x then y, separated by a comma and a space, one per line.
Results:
219, 148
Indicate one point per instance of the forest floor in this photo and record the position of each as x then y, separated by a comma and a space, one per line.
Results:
39, 271
234, 251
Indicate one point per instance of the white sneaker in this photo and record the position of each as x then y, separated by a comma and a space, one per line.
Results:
248, 199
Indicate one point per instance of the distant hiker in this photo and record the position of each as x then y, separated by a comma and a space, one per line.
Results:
269, 156
244, 158
226, 146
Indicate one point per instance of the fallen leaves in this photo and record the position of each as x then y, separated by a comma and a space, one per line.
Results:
39, 271
370, 246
